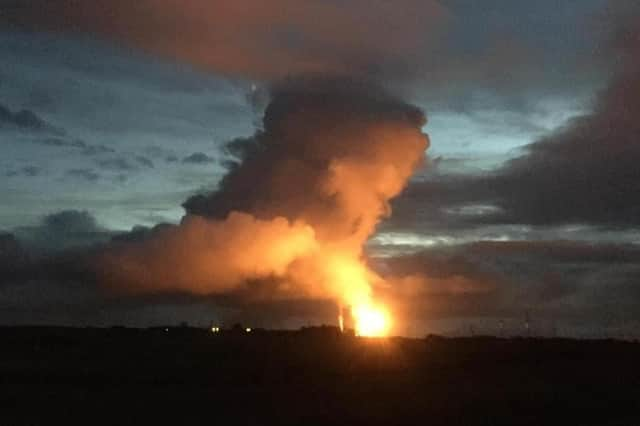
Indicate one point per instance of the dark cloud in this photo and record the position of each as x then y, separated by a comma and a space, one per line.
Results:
9, 246
12, 255
457, 52
87, 174
570, 283
586, 172
137, 233
156, 151
452, 54
51, 288
71, 220
36, 281
198, 158
29, 171
40, 99
25, 120
125, 164
144, 161
117, 164
59, 141
565, 252
63, 230
97, 149
64, 142
250, 38
142, 233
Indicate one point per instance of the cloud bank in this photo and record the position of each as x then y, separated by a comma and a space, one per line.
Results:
251, 38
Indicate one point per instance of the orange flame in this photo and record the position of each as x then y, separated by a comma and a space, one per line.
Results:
352, 281
371, 320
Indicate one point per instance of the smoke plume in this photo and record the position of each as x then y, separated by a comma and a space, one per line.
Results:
306, 192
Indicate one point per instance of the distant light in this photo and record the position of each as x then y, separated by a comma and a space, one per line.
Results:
166, 329
215, 329
248, 329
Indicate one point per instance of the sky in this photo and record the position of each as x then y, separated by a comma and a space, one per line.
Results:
526, 208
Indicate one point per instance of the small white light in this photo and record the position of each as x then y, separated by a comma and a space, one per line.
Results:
248, 330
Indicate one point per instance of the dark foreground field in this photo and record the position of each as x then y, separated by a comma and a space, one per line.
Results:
189, 376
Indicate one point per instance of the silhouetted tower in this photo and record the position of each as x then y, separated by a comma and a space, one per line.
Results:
345, 319
527, 324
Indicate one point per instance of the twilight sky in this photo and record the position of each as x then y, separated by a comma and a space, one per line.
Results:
112, 116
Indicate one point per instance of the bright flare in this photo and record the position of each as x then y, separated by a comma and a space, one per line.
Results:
352, 280
371, 321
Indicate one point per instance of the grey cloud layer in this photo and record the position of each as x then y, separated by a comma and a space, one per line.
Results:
586, 172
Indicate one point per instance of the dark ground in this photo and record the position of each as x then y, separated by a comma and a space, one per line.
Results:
190, 376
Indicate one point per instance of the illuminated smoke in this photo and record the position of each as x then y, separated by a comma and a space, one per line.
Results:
305, 194
210, 256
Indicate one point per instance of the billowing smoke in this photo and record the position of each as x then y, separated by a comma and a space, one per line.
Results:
330, 153
306, 192
210, 256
